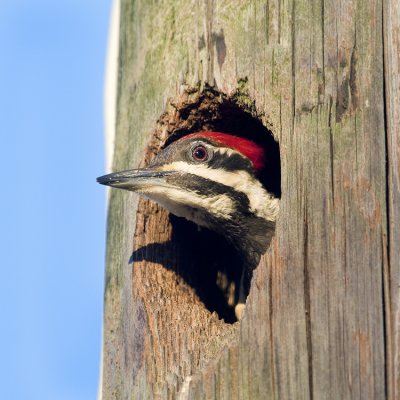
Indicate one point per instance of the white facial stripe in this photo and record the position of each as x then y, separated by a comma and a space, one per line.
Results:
225, 150
261, 202
177, 201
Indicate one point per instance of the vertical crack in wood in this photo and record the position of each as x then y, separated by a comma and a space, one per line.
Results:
307, 301
331, 150
323, 45
266, 8
353, 78
279, 21
271, 336
208, 35
386, 292
293, 64
387, 318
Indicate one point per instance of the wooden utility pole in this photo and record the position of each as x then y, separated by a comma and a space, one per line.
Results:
323, 315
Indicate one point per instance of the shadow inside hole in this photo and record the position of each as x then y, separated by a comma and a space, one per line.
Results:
205, 261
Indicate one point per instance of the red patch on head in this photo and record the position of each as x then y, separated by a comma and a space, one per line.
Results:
254, 152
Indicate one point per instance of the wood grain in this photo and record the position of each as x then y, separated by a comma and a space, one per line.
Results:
323, 315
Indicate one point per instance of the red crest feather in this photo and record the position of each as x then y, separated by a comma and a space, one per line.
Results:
254, 152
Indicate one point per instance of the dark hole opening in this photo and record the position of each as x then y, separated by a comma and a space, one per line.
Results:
205, 260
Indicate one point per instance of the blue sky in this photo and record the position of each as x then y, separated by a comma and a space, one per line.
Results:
52, 62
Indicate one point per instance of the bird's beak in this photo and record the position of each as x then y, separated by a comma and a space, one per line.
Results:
136, 179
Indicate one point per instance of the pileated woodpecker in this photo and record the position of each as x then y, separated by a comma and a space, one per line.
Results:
210, 178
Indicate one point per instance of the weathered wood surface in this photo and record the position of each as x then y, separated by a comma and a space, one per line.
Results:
322, 318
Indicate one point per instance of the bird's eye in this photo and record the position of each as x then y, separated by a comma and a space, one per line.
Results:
200, 153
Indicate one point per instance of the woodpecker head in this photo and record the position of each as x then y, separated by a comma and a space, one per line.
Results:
210, 178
